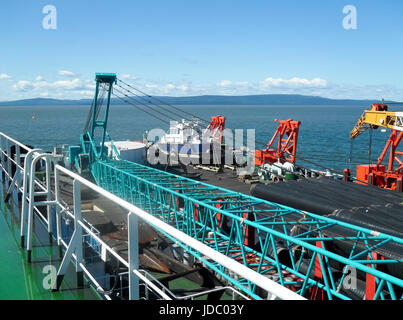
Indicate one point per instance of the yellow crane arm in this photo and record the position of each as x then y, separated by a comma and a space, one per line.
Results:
374, 119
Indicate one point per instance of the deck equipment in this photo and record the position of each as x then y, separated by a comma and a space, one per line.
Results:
283, 145
390, 175
277, 160
215, 129
292, 247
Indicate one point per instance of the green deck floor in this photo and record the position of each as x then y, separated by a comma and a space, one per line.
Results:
20, 280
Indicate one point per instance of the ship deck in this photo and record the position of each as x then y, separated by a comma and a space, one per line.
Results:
21, 280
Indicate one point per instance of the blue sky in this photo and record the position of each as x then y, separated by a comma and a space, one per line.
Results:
189, 47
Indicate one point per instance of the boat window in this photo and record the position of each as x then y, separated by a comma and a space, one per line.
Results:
174, 131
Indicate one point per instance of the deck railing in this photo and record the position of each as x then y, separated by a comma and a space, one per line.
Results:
21, 177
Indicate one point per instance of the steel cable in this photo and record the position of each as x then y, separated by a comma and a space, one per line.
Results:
244, 134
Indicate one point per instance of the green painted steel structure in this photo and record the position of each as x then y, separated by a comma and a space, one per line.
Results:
104, 81
291, 246
311, 254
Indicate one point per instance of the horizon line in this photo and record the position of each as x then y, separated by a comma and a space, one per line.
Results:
206, 95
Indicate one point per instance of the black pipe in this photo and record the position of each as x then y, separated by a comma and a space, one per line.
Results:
291, 199
305, 190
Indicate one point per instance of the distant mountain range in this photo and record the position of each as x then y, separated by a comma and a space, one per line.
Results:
266, 99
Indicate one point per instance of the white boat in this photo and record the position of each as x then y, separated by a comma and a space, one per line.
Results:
186, 142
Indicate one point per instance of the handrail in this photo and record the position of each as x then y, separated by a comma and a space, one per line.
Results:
270, 286
260, 280
64, 208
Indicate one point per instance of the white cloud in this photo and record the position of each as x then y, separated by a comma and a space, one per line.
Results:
127, 77
151, 86
44, 94
71, 89
66, 73
85, 93
293, 83
183, 87
74, 84
76, 88
231, 84
4, 76
225, 83
23, 85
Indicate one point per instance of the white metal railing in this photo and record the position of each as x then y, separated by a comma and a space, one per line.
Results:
74, 247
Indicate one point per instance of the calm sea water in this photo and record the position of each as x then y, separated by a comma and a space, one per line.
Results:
324, 132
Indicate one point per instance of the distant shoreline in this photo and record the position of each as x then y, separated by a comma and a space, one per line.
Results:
268, 99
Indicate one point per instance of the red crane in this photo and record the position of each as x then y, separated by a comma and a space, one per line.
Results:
390, 175
216, 128
285, 148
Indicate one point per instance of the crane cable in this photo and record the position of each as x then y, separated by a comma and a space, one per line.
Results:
126, 101
145, 105
151, 107
139, 108
151, 103
256, 141
163, 102
95, 108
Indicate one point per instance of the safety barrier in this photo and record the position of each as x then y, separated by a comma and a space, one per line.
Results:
22, 177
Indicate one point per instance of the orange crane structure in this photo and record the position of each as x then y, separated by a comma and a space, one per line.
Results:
285, 148
215, 129
390, 175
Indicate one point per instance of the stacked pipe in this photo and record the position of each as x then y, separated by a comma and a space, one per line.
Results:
324, 196
365, 206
